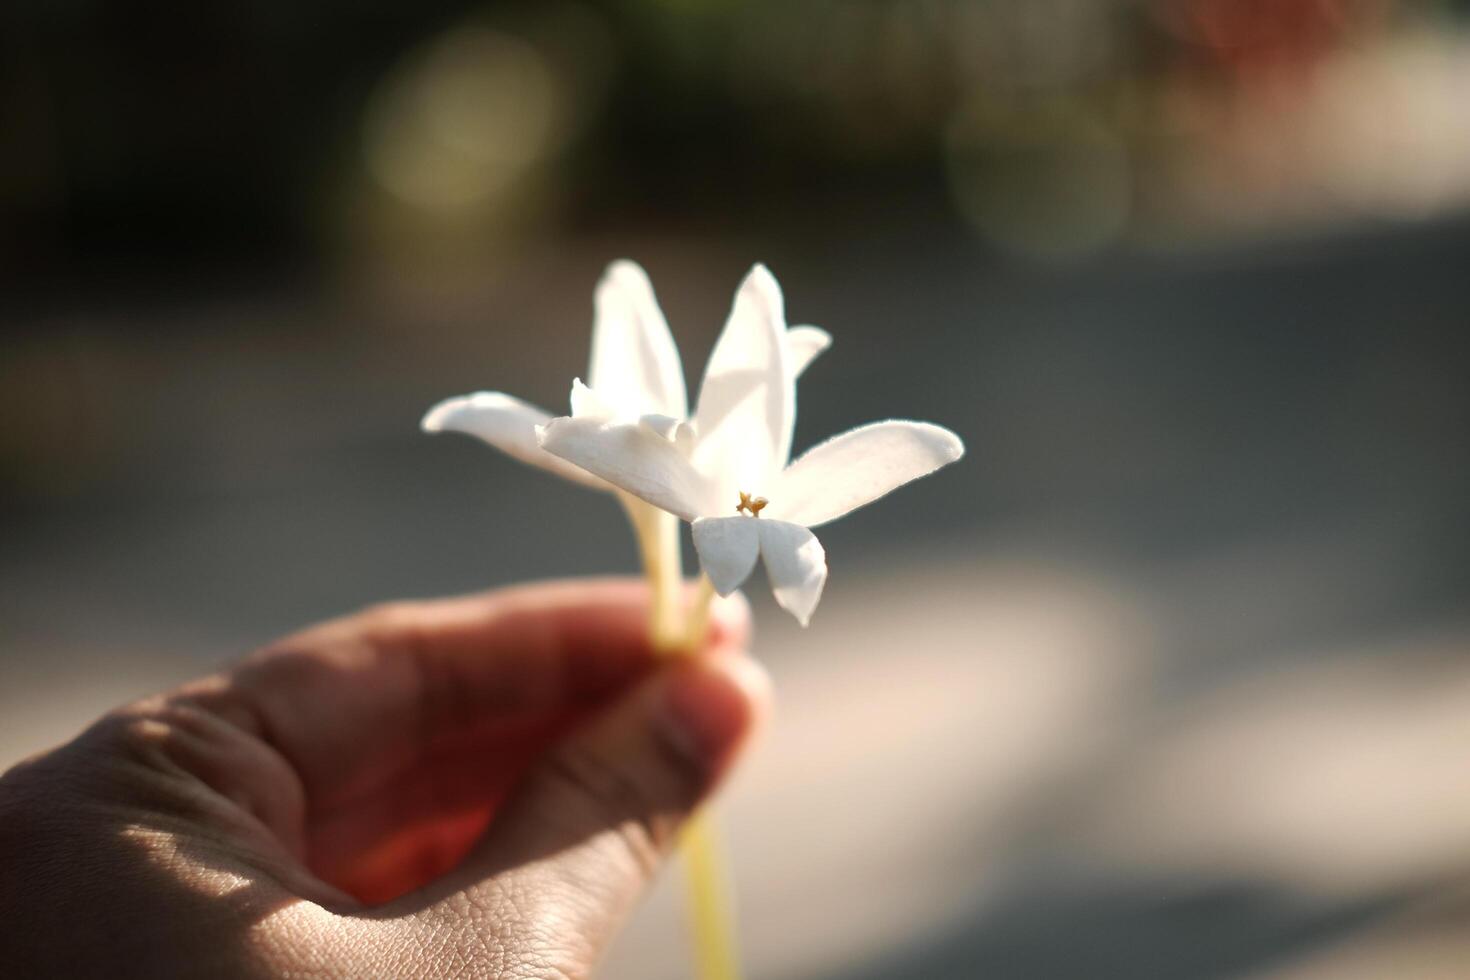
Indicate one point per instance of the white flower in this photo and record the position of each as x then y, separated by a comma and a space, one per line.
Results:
726, 471
634, 373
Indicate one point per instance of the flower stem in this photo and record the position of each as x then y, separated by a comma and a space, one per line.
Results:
709, 895
658, 546
711, 902
696, 622
709, 899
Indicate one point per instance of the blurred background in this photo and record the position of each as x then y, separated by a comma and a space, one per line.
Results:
1169, 678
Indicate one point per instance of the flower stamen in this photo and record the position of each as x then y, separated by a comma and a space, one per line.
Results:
752, 504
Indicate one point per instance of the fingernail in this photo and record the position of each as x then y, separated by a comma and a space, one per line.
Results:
712, 703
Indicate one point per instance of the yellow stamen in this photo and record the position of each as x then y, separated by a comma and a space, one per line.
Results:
749, 503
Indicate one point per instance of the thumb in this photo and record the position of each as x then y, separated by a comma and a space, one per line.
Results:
571, 852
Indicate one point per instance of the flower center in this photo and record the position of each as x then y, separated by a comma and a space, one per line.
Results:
751, 504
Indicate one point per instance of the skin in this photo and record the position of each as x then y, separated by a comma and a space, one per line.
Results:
471, 787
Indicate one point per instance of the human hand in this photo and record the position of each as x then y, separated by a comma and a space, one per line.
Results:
466, 787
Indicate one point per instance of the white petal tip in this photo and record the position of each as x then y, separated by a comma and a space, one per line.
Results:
951, 445
441, 417
727, 571
816, 338
623, 281
803, 616
725, 589
727, 549
944, 445
454, 414
796, 566
760, 274
622, 269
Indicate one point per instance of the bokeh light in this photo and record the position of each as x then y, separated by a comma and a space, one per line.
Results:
462, 120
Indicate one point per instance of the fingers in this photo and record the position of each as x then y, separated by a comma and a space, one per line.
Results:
638, 771
577, 843
353, 703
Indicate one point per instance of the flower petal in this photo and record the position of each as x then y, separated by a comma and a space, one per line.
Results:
803, 344
746, 402
635, 365
859, 466
677, 431
589, 403
796, 564
728, 548
509, 425
632, 457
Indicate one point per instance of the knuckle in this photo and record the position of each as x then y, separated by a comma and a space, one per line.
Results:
122, 760
140, 733
161, 754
